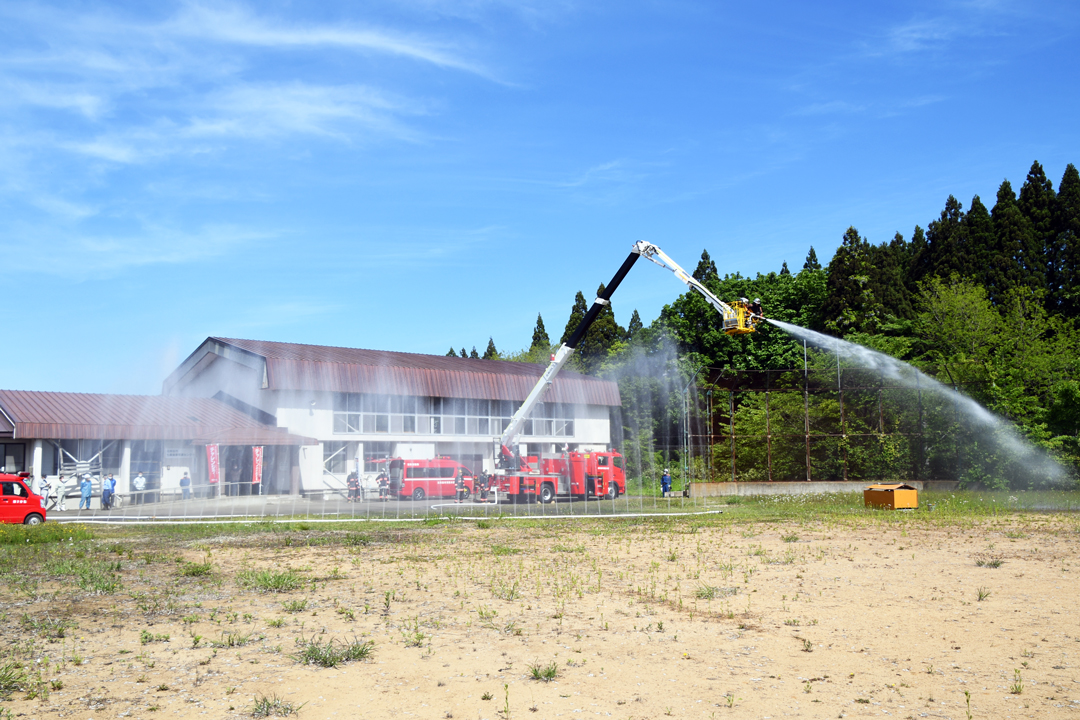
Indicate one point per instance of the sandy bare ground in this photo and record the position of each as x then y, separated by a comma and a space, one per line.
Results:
641, 619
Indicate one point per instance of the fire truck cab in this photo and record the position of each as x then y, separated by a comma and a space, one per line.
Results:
419, 479
17, 503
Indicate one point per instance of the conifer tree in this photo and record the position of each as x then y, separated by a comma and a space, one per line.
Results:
888, 267
981, 241
463, 353
577, 314
784, 270
491, 353
1011, 232
474, 355
811, 260
1036, 202
634, 327
452, 352
540, 337
706, 269
945, 238
851, 305
1065, 297
602, 335
918, 260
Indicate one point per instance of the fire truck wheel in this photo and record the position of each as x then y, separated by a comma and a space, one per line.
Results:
547, 493
467, 493
418, 494
612, 492
33, 519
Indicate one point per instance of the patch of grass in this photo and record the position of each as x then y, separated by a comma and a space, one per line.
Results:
1018, 683
12, 677
485, 524
233, 639
504, 550
270, 580
43, 534
294, 606
711, 592
994, 563
273, 706
146, 637
191, 569
790, 538
567, 549
544, 673
982, 593
95, 577
51, 629
276, 622
332, 652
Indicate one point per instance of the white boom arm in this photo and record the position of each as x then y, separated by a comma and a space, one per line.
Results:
658, 256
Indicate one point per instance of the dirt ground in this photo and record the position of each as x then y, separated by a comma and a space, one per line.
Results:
640, 620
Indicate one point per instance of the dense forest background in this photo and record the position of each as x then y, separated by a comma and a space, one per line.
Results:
983, 299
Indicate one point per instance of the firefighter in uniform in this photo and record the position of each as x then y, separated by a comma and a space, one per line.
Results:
384, 486
353, 483
459, 486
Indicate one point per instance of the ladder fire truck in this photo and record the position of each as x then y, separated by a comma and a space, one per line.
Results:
589, 474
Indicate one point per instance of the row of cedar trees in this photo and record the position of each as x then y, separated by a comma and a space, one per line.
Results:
1030, 240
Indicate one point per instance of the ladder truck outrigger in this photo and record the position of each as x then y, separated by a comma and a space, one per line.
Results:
527, 479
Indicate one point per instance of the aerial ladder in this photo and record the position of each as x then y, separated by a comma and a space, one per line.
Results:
737, 320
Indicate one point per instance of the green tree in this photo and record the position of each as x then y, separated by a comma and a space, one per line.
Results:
577, 314
851, 305
464, 354
1065, 292
981, 242
706, 268
540, 337
491, 353
474, 355
947, 242
811, 260
600, 339
451, 352
633, 328
1036, 203
784, 269
1012, 233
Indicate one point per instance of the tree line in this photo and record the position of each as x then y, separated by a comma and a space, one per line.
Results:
986, 299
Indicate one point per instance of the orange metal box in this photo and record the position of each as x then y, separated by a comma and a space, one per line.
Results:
891, 497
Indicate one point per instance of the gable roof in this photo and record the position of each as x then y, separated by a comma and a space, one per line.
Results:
85, 416
291, 366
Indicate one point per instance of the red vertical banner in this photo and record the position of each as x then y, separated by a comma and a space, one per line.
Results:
256, 464
213, 464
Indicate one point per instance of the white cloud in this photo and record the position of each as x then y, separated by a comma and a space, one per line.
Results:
79, 255
235, 24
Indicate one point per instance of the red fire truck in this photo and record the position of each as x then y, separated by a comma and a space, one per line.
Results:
419, 479
572, 474
589, 474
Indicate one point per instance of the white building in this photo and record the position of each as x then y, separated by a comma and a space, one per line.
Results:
367, 405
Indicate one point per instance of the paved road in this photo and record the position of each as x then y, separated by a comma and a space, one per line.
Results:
289, 505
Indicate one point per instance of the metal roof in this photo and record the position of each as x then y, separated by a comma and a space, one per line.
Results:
74, 416
290, 366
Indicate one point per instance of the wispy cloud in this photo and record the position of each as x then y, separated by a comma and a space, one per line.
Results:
236, 24
832, 107
82, 255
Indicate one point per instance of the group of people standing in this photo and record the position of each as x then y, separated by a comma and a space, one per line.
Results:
58, 495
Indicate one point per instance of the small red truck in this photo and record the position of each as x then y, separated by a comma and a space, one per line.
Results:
17, 503
571, 475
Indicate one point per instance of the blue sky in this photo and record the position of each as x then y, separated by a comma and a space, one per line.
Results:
416, 174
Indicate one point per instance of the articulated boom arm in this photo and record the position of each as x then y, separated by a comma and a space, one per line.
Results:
658, 256
737, 320
505, 456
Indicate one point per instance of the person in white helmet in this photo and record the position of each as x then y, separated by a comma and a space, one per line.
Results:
755, 307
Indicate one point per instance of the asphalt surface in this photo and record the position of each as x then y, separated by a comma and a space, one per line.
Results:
292, 505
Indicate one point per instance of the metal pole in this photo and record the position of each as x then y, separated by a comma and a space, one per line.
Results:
806, 406
840, 395
731, 427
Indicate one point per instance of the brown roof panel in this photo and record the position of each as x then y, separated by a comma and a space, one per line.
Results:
71, 416
291, 366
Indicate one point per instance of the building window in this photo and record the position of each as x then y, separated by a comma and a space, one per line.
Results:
13, 457
375, 456
336, 457
371, 414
